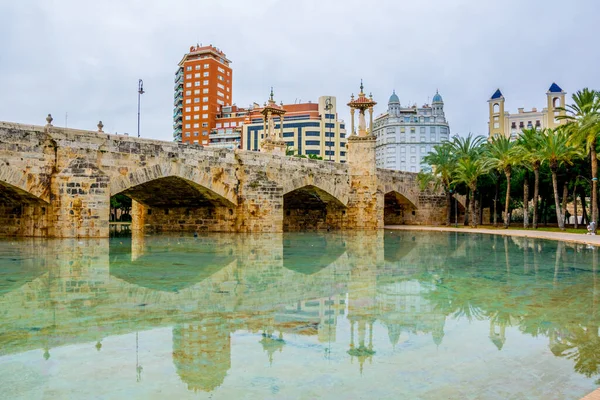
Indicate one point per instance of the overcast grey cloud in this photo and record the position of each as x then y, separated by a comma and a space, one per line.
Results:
85, 57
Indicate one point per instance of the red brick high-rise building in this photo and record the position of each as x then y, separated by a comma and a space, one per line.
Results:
203, 85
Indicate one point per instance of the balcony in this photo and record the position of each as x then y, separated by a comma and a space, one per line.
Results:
179, 84
177, 115
178, 99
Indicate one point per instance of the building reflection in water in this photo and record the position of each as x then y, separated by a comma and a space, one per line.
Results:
284, 286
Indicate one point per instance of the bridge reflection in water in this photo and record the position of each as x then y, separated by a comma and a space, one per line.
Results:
348, 297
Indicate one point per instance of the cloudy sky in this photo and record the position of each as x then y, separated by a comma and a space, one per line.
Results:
84, 58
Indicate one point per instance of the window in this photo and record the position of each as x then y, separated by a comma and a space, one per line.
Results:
197, 83
221, 102
205, 74
402, 129
220, 94
187, 117
205, 90
521, 124
196, 141
195, 133
188, 101
432, 137
226, 125
220, 86
197, 75
402, 149
412, 129
188, 109
537, 123
189, 84
205, 82
196, 108
196, 125
204, 133
423, 139
413, 149
196, 116
204, 116
204, 99
219, 77
205, 124
432, 129
197, 100
422, 129
228, 89
233, 124
188, 68
422, 149
187, 134
187, 126
188, 92
513, 125
221, 69
205, 66
196, 91
204, 107
496, 125
188, 76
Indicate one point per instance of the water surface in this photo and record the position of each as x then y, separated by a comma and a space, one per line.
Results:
340, 315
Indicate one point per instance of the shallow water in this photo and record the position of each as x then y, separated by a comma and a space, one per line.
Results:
342, 316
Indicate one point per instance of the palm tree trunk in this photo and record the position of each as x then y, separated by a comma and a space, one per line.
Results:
448, 207
563, 208
536, 194
594, 183
472, 205
575, 205
506, 217
559, 217
526, 200
467, 207
496, 203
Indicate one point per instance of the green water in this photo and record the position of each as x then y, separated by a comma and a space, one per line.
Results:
394, 315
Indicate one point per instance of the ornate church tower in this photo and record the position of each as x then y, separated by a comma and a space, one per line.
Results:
496, 122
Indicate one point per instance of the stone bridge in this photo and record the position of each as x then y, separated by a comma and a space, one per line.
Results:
58, 182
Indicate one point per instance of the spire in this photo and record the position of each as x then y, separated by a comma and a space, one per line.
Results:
497, 95
361, 85
271, 98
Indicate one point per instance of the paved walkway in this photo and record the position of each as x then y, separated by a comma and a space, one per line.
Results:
564, 236
595, 395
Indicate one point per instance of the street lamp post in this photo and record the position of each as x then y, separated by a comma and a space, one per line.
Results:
140, 93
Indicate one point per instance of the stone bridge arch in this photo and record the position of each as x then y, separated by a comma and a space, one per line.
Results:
24, 202
398, 209
179, 198
214, 181
311, 208
333, 185
25, 183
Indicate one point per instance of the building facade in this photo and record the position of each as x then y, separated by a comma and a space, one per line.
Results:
407, 134
308, 129
510, 125
227, 131
203, 85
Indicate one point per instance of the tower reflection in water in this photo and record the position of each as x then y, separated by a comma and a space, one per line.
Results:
286, 287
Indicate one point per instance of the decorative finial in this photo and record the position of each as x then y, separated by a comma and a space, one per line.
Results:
361, 85
352, 97
100, 126
281, 103
371, 96
271, 98
49, 120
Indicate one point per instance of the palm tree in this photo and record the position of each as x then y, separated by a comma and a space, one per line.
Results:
502, 156
556, 150
467, 147
443, 163
468, 170
583, 124
528, 148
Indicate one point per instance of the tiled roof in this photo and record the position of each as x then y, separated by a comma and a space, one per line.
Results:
497, 94
554, 88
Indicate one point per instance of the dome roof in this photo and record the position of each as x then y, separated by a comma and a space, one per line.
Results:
437, 98
394, 98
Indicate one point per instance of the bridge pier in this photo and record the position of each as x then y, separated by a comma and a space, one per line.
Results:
80, 200
365, 203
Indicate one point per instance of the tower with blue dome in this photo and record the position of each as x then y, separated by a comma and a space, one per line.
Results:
406, 133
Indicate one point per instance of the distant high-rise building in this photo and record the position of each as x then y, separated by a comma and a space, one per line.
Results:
510, 125
407, 134
203, 85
